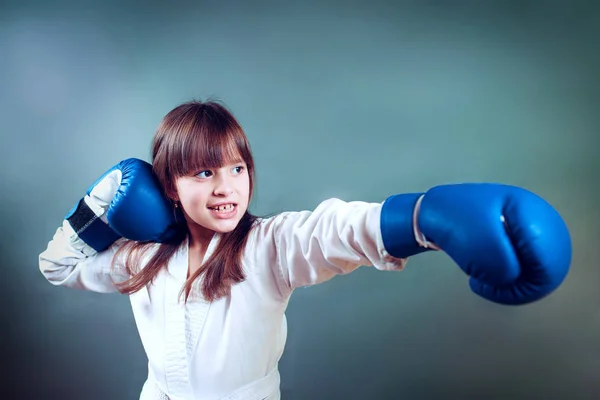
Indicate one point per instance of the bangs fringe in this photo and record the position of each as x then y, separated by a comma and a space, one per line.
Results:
209, 140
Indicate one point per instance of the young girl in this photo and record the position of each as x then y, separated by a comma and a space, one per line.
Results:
209, 283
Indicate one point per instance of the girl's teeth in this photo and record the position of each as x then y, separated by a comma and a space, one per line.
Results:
224, 208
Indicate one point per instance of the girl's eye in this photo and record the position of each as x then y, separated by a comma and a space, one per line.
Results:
203, 174
238, 169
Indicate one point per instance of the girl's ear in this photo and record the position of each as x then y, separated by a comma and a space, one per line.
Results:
172, 195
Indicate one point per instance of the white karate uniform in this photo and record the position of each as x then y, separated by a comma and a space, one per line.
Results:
230, 349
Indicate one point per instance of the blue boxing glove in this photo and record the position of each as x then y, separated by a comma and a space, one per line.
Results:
126, 201
513, 245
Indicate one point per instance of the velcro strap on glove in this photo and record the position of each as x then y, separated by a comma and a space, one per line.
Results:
91, 228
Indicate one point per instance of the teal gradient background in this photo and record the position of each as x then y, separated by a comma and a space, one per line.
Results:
356, 100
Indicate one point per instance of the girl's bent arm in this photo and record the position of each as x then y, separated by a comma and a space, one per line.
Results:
68, 261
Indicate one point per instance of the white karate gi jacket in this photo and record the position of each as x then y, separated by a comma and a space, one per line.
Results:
230, 349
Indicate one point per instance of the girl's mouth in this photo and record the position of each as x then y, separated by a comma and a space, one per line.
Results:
224, 210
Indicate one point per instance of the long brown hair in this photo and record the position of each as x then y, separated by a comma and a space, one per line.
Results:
194, 135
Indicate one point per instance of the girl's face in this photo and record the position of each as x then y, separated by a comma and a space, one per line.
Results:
215, 199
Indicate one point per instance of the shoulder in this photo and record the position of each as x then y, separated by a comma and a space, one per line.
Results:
133, 254
261, 257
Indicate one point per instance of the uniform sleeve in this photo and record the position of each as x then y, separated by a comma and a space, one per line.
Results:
68, 261
336, 238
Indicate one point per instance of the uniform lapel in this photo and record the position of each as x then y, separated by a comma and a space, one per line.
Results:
197, 306
179, 345
176, 365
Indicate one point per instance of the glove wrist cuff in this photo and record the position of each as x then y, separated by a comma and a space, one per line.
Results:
420, 236
397, 225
